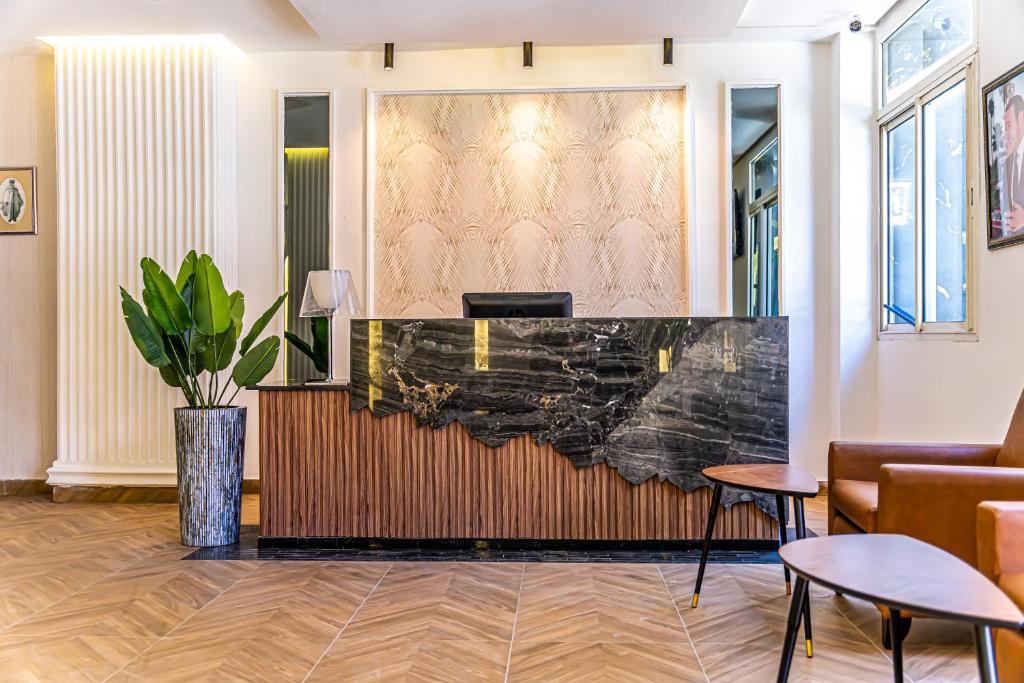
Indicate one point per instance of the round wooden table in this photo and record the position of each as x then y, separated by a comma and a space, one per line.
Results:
905, 575
779, 479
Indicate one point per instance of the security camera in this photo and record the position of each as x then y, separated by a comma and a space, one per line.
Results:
856, 25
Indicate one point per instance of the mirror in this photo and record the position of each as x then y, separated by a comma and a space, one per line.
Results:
754, 142
306, 188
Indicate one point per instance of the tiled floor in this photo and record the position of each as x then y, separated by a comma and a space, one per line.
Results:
96, 592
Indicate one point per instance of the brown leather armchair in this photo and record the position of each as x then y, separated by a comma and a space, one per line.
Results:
1000, 529
930, 492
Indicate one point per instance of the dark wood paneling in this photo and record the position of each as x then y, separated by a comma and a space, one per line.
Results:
328, 472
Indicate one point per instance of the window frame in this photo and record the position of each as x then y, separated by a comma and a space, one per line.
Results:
755, 208
911, 106
934, 72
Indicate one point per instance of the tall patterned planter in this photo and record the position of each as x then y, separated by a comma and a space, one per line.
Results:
211, 447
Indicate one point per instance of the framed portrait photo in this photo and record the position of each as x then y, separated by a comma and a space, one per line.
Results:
1003, 104
18, 201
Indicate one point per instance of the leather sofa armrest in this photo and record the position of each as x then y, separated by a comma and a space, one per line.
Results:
938, 503
862, 461
1000, 529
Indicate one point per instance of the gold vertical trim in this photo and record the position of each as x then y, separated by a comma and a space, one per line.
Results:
665, 360
481, 348
375, 339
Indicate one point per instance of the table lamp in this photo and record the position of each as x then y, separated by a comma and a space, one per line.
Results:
328, 293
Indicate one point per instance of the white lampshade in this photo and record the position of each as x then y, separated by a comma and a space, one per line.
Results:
329, 293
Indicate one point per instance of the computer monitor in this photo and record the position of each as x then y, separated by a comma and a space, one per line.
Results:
517, 305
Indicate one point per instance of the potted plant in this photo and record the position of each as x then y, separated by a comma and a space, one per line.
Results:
189, 330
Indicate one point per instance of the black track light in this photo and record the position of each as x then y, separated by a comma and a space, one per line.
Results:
666, 51
528, 55
389, 56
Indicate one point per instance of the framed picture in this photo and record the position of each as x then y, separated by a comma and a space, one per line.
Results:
18, 201
1003, 101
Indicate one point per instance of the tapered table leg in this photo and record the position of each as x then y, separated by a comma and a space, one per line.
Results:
716, 497
801, 532
897, 645
796, 606
986, 654
780, 505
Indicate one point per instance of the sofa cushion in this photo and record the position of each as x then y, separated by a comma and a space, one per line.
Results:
857, 501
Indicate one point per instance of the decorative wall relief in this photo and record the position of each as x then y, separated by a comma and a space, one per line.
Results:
580, 191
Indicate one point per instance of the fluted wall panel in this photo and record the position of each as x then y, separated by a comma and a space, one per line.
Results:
307, 239
146, 159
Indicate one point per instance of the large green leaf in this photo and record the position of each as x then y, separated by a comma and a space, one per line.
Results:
145, 333
218, 351
261, 324
257, 363
187, 270
321, 328
211, 305
300, 344
170, 377
163, 300
237, 300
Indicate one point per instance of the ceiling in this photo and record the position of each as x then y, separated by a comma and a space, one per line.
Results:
287, 25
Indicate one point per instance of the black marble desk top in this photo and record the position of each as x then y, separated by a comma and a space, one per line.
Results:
647, 396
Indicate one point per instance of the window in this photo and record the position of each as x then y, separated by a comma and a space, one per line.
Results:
763, 234
927, 175
930, 37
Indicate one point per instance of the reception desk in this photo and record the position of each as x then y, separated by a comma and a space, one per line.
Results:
528, 428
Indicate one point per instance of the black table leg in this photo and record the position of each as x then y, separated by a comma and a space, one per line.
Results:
897, 645
801, 532
716, 497
796, 606
780, 504
986, 654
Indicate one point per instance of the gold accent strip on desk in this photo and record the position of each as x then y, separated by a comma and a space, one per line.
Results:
481, 353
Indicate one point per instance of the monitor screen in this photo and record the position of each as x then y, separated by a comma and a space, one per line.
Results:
517, 305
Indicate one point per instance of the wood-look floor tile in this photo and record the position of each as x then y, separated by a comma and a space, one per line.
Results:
58, 658
306, 600
441, 601
620, 662
596, 603
137, 602
833, 662
119, 565
234, 657
416, 660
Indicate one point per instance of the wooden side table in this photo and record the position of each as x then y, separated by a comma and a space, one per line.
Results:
905, 575
781, 480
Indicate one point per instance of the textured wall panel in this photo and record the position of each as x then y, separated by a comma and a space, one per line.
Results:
571, 190
145, 167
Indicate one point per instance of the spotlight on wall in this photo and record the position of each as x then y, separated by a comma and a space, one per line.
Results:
528, 55
389, 56
666, 51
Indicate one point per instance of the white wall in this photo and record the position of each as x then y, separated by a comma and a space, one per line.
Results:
803, 70
932, 390
28, 277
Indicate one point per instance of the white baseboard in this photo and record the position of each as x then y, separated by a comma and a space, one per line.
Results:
74, 474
